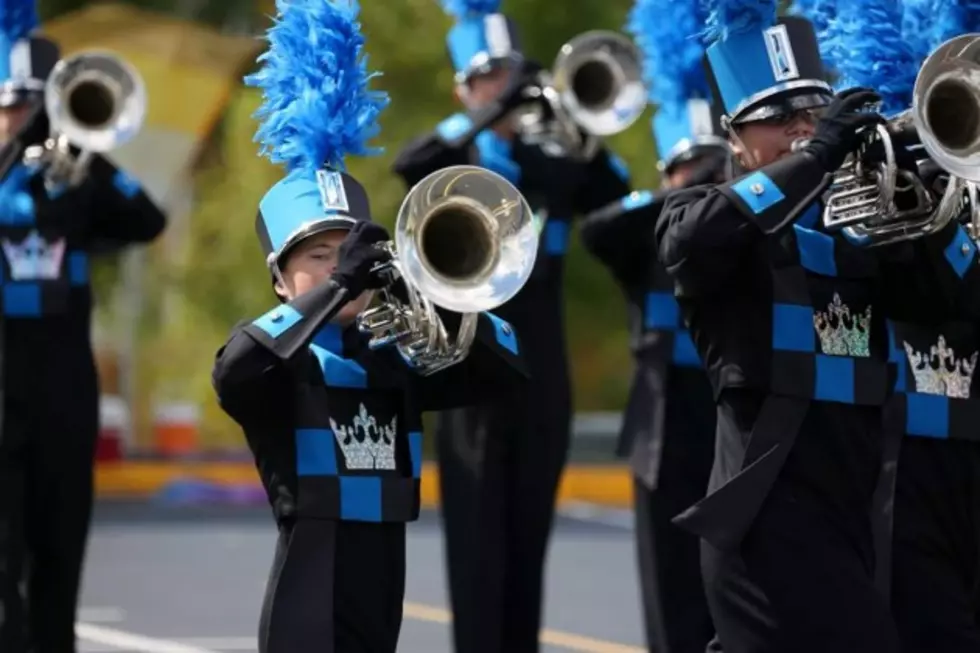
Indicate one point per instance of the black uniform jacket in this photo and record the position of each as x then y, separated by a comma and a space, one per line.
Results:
792, 325
47, 240
336, 427
621, 235
557, 189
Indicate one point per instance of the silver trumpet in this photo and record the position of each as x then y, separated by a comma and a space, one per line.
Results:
95, 102
595, 86
465, 241
946, 116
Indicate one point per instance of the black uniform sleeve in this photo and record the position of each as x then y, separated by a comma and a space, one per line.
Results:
621, 234
289, 328
249, 380
703, 232
495, 364
606, 180
123, 213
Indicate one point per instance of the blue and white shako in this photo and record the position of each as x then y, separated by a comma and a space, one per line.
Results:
479, 41
768, 70
304, 204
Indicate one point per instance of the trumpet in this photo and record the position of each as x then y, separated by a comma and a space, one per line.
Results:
945, 114
95, 102
595, 86
465, 240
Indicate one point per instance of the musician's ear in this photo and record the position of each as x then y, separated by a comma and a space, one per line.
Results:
459, 93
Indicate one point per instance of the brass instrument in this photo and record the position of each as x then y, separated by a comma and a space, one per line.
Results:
595, 86
464, 241
95, 102
946, 115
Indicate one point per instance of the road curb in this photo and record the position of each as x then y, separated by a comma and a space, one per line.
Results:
606, 485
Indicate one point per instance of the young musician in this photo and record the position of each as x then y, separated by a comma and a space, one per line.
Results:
335, 426
500, 462
49, 383
669, 426
932, 455
790, 320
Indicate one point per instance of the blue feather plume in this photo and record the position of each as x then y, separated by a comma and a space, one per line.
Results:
664, 31
734, 16
866, 46
18, 18
820, 13
949, 18
316, 104
919, 23
465, 8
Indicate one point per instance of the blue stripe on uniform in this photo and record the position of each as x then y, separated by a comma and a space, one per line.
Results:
415, 451
927, 415
360, 498
22, 299
685, 353
792, 328
816, 251
835, 379
661, 311
316, 453
555, 237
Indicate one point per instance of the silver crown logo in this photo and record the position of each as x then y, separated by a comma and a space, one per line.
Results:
34, 258
939, 372
374, 449
841, 333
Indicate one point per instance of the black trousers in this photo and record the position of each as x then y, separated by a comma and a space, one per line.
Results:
936, 546
675, 609
803, 578
500, 465
335, 587
47, 450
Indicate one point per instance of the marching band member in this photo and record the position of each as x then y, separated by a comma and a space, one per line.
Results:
790, 321
500, 462
935, 498
669, 426
334, 425
47, 235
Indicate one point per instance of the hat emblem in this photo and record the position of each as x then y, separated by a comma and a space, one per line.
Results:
780, 52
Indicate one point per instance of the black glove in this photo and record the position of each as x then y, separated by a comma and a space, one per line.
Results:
710, 170
358, 256
837, 132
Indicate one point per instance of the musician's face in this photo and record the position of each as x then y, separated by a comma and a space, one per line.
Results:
12, 119
760, 143
311, 263
480, 90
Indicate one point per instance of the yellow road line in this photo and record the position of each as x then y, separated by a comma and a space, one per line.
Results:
567, 641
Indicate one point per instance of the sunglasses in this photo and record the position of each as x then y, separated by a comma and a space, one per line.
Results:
810, 116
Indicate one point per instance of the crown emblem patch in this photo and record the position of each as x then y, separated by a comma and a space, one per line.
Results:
365, 443
842, 333
939, 372
34, 258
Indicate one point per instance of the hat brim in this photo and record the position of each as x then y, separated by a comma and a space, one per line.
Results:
784, 103
309, 230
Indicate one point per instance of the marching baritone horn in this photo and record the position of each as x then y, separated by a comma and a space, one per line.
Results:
95, 102
595, 86
465, 241
946, 116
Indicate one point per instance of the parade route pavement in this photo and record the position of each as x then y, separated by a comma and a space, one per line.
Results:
164, 580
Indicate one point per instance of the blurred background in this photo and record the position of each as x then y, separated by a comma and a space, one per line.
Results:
163, 312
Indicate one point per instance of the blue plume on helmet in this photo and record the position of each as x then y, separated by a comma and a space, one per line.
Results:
735, 16
866, 46
18, 18
317, 107
673, 67
468, 8
949, 18
818, 12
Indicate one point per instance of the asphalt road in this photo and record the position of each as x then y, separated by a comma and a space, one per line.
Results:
162, 581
